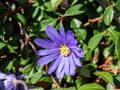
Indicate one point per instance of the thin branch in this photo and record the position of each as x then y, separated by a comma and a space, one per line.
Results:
27, 38
98, 19
55, 81
108, 2
104, 4
53, 78
21, 33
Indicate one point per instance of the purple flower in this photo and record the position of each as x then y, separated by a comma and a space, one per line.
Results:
62, 49
7, 82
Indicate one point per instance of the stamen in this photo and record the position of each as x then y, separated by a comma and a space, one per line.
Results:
64, 50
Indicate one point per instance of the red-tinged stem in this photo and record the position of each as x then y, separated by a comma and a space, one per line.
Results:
55, 81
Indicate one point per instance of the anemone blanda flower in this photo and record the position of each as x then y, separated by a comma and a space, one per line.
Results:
61, 49
7, 82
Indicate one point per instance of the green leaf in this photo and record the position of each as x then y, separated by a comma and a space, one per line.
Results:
70, 88
10, 65
88, 55
36, 11
108, 15
105, 75
117, 47
21, 18
87, 52
7, 66
118, 5
91, 86
39, 68
36, 88
74, 2
24, 61
35, 77
11, 49
75, 23
27, 69
106, 52
46, 79
78, 82
55, 3
59, 25
85, 72
42, 25
78, 29
75, 10
113, 33
94, 41
2, 45
48, 6
109, 87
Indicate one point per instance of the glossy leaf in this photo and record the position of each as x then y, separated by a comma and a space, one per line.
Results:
105, 75
24, 61
35, 77
36, 11
78, 82
78, 29
55, 3
75, 10
109, 87
21, 18
48, 6
106, 52
108, 15
42, 25
73, 2
70, 88
118, 5
87, 52
91, 86
117, 46
46, 79
36, 88
11, 49
27, 69
2, 45
94, 41
10, 65
113, 33
7, 66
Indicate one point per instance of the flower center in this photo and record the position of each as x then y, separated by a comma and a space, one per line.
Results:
64, 50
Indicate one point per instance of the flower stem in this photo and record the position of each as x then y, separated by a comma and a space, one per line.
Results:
55, 82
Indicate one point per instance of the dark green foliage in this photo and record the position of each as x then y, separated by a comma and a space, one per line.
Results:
95, 23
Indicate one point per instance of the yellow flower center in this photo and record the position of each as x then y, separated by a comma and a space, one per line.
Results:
64, 50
